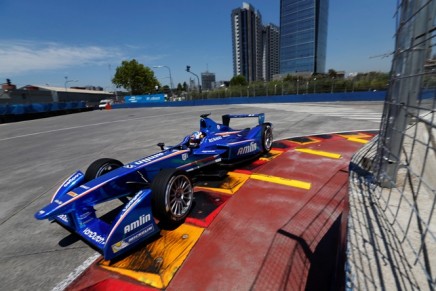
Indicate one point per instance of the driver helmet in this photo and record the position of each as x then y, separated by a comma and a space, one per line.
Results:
195, 138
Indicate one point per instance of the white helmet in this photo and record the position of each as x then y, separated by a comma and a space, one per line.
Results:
195, 138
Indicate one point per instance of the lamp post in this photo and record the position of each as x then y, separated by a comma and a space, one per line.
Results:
188, 69
333, 84
68, 81
298, 85
169, 71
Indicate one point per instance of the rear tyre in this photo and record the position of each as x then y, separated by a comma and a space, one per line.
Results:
267, 137
172, 196
101, 167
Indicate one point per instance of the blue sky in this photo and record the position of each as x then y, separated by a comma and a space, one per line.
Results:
42, 42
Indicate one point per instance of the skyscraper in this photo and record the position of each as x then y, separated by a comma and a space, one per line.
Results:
270, 57
246, 42
303, 36
207, 80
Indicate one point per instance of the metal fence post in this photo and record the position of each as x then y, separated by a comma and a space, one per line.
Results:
412, 49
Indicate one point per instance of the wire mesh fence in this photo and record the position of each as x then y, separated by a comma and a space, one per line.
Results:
392, 224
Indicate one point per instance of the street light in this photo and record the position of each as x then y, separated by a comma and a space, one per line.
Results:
333, 83
68, 81
169, 71
298, 84
188, 69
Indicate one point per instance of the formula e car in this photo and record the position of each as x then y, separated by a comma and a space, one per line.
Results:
159, 186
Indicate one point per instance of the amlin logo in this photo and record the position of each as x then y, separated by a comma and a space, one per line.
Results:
252, 147
137, 223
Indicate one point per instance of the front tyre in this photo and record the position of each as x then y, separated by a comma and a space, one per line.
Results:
100, 167
172, 196
267, 137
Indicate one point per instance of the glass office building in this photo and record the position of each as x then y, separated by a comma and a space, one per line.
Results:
303, 36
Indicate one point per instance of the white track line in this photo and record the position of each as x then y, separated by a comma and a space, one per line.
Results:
76, 273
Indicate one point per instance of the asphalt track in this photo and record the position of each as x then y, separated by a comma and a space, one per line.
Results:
37, 155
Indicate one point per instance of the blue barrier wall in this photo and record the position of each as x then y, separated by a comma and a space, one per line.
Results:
35, 108
322, 97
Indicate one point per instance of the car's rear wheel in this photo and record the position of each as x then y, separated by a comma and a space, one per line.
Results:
267, 137
172, 196
101, 167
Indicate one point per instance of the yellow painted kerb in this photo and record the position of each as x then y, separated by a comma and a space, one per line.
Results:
230, 185
359, 140
282, 181
319, 153
171, 250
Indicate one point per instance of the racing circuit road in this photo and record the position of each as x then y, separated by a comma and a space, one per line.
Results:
37, 155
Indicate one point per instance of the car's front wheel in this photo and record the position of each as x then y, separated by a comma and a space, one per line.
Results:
101, 167
267, 137
172, 196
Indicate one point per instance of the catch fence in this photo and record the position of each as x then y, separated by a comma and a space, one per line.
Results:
392, 224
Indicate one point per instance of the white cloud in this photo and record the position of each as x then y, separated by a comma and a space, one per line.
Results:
18, 57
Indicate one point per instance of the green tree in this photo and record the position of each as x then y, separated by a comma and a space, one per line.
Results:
238, 80
332, 73
135, 77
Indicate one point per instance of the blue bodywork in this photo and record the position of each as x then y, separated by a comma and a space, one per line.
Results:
73, 203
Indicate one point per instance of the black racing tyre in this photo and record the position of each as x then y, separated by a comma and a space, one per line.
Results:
172, 196
101, 167
267, 137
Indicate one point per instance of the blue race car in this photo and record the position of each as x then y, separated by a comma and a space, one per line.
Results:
157, 186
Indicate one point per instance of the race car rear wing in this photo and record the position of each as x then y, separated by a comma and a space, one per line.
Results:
227, 117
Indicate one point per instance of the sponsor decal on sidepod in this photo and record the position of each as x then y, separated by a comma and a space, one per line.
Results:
214, 138
252, 147
144, 160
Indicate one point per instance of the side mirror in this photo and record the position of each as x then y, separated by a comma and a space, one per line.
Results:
161, 145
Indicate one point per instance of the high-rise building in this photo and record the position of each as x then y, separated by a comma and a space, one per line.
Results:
247, 42
207, 80
270, 58
303, 36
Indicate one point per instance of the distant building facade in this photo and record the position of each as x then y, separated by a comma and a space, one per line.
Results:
246, 42
207, 80
255, 46
303, 36
270, 57
48, 94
